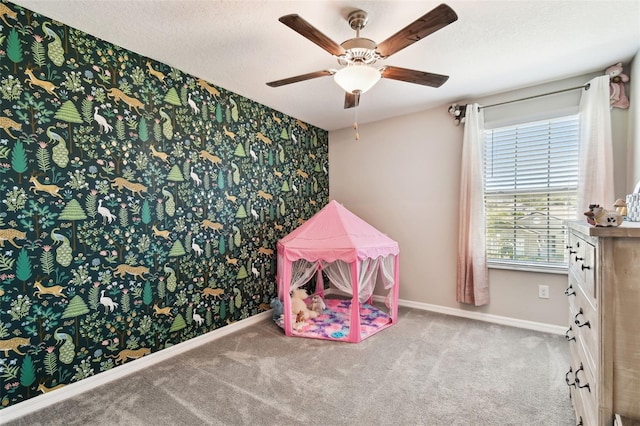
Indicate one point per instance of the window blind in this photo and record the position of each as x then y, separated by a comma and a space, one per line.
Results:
531, 178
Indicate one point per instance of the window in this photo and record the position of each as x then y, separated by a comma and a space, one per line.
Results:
531, 178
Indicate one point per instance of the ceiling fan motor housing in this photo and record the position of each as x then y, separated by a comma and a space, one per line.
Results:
359, 50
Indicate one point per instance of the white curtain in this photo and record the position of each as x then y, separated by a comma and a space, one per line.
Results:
339, 273
301, 272
472, 274
387, 271
595, 169
367, 278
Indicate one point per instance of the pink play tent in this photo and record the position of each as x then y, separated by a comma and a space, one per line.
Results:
356, 258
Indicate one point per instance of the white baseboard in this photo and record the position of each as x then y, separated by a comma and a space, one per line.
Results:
36, 403
30, 405
480, 316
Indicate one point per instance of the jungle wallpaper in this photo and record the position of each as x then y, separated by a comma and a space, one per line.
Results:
139, 206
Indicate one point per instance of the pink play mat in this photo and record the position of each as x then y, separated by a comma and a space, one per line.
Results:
333, 323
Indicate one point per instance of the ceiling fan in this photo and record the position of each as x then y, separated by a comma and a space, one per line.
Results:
357, 55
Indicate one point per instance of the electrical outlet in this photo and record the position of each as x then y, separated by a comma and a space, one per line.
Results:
543, 291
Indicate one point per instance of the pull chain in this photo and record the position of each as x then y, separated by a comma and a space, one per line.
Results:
355, 123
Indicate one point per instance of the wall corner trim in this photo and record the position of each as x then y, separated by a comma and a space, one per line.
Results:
42, 401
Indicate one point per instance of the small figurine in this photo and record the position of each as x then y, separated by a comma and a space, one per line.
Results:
599, 216
621, 207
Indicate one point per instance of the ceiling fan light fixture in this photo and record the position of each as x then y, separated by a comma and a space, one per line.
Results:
357, 78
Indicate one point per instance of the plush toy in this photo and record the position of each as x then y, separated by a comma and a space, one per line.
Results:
299, 324
599, 216
317, 304
298, 305
618, 97
278, 308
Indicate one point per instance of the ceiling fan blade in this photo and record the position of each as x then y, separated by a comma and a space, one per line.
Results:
434, 20
413, 76
351, 100
305, 29
301, 77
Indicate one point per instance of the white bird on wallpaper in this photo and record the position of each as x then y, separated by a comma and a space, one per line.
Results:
255, 272
192, 104
295, 188
102, 122
197, 318
293, 136
195, 177
196, 248
254, 214
253, 154
107, 216
107, 302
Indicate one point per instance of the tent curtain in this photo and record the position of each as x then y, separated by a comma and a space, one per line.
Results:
472, 272
339, 273
387, 267
301, 272
595, 163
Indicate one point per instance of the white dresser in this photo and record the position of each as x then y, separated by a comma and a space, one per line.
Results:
604, 322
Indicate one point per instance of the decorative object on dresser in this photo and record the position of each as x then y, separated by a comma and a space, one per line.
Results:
604, 341
599, 216
633, 204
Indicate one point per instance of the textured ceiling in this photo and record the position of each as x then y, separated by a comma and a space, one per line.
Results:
240, 45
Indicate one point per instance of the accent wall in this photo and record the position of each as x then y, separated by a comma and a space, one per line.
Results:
139, 206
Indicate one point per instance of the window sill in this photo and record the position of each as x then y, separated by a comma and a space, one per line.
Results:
561, 270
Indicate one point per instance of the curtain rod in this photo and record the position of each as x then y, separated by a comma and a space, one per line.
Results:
584, 86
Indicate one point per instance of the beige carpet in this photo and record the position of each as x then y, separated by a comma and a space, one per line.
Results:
429, 369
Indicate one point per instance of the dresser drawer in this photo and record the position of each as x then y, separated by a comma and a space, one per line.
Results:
582, 265
583, 319
581, 379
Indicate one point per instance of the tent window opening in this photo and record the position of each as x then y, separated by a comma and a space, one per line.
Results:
530, 181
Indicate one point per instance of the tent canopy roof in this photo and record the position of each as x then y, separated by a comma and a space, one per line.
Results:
334, 233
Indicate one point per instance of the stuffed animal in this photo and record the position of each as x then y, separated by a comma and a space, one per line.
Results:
278, 308
298, 305
618, 97
317, 304
299, 324
599, 216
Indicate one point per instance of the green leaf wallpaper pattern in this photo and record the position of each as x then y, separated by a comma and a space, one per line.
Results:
139, 206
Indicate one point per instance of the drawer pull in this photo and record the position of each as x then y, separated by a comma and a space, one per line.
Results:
579, 258
566, 378
569, 291
577, 321
566, 335
572, 252
577, 379
585, 267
